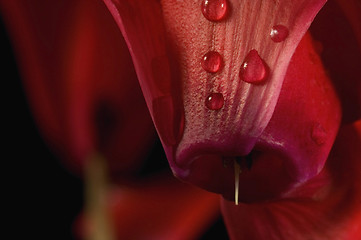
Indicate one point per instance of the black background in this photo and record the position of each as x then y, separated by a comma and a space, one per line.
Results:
41, 198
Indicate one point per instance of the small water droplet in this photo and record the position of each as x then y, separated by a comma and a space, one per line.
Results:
212, 62
318, 134
279, 33
215, 101
253, 69
214, 10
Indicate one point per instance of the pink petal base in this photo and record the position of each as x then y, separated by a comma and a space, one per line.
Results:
326, 207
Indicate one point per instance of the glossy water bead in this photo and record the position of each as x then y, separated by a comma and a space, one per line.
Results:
253, 69
214, 101
212, 62
279, 33
214, 10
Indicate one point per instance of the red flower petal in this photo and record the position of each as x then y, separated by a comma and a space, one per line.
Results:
302, 129
338, 31
327, 207
234, 129
143, 30
248, 108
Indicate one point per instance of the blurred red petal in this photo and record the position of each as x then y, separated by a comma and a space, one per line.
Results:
80, 80
163, 208
34, 54
158, 208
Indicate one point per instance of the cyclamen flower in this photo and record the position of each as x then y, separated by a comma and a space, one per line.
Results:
248, 104
268, 106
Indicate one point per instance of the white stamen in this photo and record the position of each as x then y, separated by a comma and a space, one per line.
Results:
237, 170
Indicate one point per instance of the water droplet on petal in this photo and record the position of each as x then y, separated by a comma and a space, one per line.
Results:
215, 101
212, 62
318, 134
279, 33
214, 10
253, 69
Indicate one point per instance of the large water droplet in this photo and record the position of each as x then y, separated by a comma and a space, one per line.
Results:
212, 62
215, 101
214, 10
279, 33
253, 69
318, 134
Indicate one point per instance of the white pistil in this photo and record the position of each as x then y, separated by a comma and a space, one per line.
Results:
237, 171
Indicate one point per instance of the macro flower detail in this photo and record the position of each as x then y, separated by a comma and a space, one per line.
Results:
256, 101
243, 124
285, 126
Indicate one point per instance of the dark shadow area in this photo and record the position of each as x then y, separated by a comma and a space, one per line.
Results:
217, 231
41, 197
